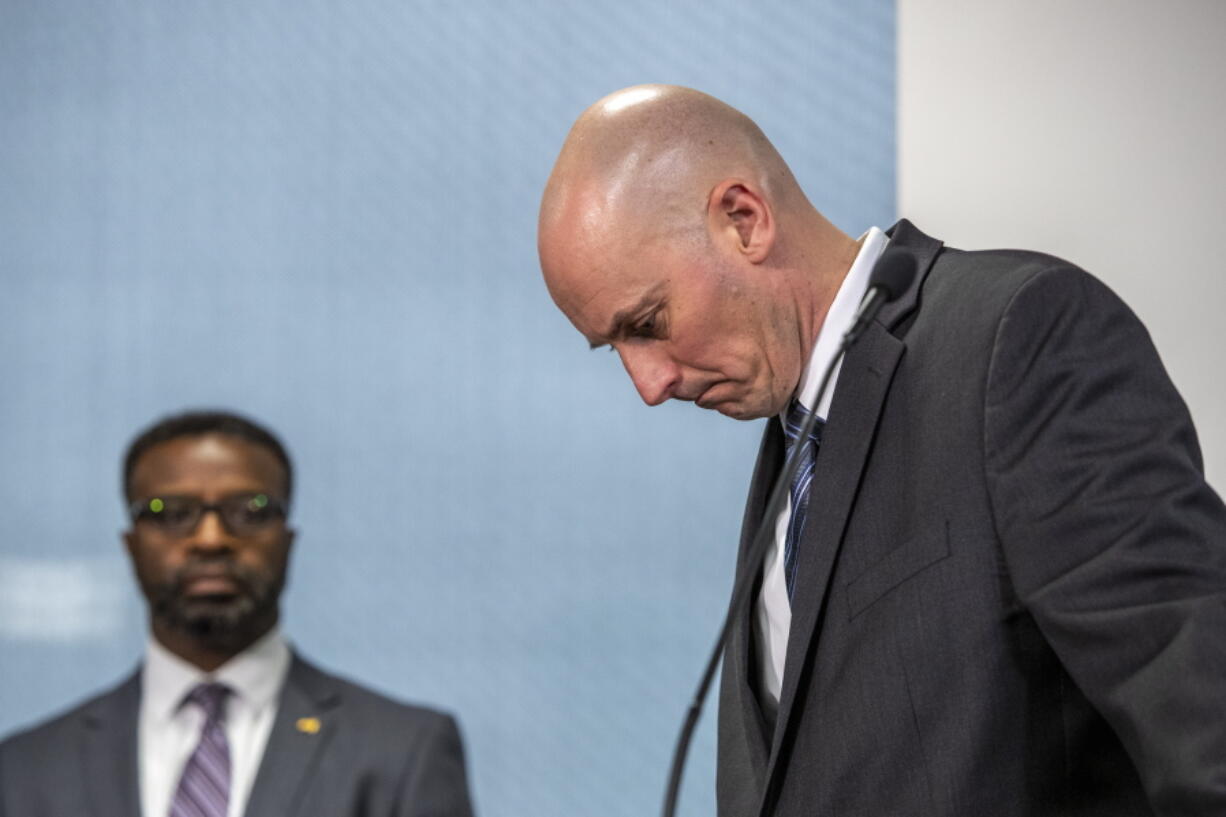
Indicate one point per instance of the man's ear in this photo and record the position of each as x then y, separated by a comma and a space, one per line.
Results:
738, 215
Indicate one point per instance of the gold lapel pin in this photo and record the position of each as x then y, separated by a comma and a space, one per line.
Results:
308, 725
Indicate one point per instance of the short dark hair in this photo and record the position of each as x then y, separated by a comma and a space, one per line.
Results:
196, 423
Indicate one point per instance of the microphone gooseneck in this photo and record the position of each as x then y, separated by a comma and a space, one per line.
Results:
892, 275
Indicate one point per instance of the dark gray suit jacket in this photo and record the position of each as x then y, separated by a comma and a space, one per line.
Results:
1011, 591
371, 757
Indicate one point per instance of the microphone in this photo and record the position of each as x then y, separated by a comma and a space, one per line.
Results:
892, 275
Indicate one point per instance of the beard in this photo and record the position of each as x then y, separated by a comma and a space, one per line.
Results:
226, 622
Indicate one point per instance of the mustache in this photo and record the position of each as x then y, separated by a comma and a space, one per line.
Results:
194, 569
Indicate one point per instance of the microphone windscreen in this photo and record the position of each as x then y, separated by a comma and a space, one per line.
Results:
893, 272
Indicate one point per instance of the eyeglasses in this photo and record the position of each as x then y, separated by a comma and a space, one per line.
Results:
242, 514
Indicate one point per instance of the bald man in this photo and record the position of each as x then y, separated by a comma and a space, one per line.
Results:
1002, 591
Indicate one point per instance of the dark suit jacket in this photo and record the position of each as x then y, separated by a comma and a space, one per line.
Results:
371, 756
1011, 591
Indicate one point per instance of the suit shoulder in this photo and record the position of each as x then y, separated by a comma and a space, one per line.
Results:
398, 754
1006, 269
992, 282
31, 758
1003, 269
367, 707
64, 725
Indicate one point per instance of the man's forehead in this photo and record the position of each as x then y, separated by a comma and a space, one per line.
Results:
206, 455
583, 266
593, 294
599, 266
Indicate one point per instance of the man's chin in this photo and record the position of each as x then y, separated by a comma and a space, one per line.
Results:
737, 410
214, 620
738, 413
733, 399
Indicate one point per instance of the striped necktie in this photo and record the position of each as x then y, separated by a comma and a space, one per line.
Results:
204, 788
799, 489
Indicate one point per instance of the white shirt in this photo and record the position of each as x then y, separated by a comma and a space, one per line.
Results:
169, 731
774, 610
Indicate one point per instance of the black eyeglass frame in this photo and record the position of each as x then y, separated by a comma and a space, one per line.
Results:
226, 510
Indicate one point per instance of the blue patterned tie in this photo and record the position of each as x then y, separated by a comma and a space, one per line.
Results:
799, 489
204, 788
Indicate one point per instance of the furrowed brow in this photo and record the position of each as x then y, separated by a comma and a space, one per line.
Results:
622, 318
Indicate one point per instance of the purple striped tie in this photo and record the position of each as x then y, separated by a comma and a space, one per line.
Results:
204, 788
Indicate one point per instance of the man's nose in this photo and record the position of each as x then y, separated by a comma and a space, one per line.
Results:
211, 532
654, 373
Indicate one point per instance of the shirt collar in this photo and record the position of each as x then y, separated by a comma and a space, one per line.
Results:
839, 319
255, 675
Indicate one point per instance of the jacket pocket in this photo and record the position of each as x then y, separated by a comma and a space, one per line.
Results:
896, 567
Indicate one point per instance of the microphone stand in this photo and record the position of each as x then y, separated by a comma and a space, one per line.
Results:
740, 589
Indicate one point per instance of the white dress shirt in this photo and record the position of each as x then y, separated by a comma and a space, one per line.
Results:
169, 730
774, 610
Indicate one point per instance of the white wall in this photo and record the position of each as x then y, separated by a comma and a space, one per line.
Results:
1091, 129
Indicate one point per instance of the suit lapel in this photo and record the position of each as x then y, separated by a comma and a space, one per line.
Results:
306, 720
846, 441
108, 750
859, 397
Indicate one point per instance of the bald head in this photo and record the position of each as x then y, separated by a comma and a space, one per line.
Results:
672, 230
645, 159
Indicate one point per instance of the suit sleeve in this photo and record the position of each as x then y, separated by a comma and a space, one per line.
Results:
435, 783
1112, 538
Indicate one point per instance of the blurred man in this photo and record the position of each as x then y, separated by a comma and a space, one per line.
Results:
223, 718
999, 584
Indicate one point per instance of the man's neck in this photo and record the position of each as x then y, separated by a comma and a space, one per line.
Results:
833, 262
204, 655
